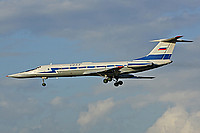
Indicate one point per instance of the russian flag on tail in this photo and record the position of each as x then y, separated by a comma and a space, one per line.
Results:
162, 49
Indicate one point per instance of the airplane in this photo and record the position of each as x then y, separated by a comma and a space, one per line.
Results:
110, 71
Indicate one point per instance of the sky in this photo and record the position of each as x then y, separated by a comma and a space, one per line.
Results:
40, 32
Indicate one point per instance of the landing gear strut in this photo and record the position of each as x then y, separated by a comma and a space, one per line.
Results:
43, 83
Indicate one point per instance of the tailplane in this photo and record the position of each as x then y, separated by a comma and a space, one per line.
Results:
164, 49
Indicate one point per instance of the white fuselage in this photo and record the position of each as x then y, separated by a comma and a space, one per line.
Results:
87, 68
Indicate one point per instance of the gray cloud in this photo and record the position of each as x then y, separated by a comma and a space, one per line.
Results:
177, 120
96, 112
114, 24
22, 110
100, 26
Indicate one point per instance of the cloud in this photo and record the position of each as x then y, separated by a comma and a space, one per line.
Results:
59, 103
104, 24
177, 120
17, 110
96, 112
183, 98
180, 92
56, 101
115, 22
22, 12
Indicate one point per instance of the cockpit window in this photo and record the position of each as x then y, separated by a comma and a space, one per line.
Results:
32, 69
38, 67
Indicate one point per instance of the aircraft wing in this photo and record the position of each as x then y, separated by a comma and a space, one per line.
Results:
104, 71
133, 76
115, 71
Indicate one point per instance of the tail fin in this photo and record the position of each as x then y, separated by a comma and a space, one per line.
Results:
164, 49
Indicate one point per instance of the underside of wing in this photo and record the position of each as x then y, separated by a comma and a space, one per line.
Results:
134, 77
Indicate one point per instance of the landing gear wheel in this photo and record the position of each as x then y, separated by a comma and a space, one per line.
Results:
109, 79
116, 84
43, 84
105, 81
120, 83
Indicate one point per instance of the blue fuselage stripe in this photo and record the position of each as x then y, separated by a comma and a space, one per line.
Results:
138, 64
91, 67
110, 65
156, 57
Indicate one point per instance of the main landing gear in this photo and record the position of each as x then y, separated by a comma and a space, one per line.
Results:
43, 83
107, 79
117, 83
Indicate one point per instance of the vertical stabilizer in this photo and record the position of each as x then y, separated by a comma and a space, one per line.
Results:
163, 50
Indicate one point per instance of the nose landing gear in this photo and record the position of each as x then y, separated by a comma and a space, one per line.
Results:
43, 83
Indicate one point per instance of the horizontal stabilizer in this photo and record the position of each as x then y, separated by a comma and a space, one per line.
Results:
140, 77
172, 40
179, 40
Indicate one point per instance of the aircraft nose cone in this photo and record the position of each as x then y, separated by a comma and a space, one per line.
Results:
21, 75
13, 76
